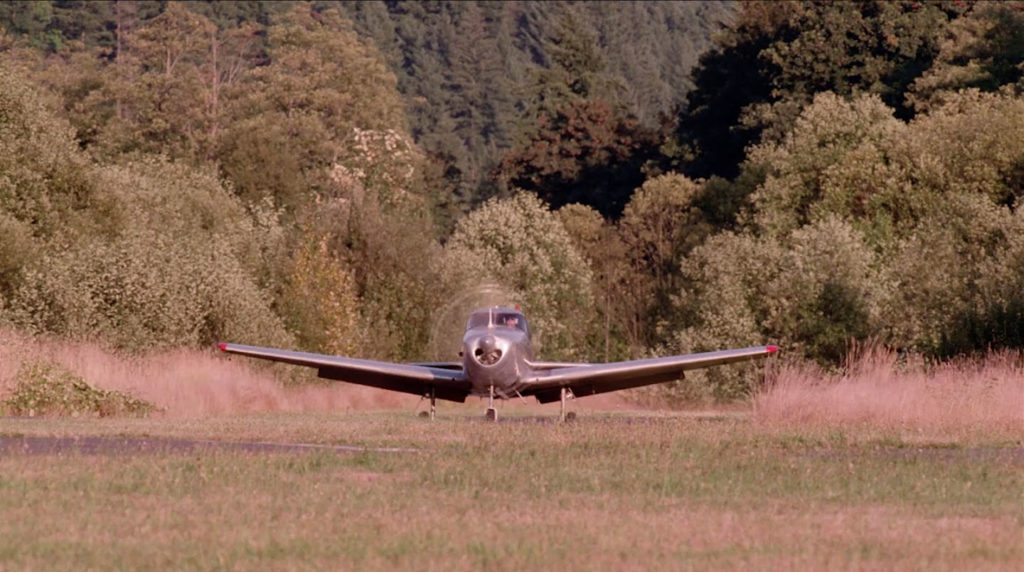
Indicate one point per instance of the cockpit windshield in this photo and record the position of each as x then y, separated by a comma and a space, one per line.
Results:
510, 320
498, 318
479, 320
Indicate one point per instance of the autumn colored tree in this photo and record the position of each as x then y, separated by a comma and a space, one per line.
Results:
581, 154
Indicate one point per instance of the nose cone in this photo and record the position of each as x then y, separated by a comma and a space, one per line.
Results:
487, 351
488, 343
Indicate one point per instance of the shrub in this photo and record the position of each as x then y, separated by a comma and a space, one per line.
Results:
47, 389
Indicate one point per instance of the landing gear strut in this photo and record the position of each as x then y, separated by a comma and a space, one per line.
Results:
433, 404
563, 416
492, 413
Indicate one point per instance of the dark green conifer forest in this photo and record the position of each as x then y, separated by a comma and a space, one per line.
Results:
670, 176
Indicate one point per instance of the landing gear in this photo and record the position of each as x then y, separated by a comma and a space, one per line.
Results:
433, 404
492, 413
563, 416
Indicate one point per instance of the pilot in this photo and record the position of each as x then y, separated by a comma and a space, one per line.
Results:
512, 321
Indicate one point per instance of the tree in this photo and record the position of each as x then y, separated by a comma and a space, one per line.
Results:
164, 108
46, 184
320, 301
290, 117
614, 284
380, 221
152, 278
777, 56
710, 137
575, 71
864, 226
581, 154
982, 50
659, 227
520, 244
832, 163
32, 19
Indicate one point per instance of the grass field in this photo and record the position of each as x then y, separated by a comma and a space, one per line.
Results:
606, 492
884, 466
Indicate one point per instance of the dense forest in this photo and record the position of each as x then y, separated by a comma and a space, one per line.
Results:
643, 178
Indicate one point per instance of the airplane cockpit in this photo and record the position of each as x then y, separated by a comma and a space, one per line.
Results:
498, 317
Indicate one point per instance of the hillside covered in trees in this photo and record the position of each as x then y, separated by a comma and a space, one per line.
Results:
642, 177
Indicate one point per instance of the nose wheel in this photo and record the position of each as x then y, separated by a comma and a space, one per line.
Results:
492, 413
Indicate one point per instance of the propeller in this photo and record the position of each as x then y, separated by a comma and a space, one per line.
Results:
449, 321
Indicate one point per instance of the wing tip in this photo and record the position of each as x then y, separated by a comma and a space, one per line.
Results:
771, 349
222, 347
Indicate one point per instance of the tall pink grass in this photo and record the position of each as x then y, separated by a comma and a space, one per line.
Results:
189, 383
192, 383
981, 397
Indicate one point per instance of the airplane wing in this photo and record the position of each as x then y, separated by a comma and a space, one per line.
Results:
541, 365
408, 378
587, 379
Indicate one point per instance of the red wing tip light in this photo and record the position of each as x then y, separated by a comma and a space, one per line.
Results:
771, 349
222, 347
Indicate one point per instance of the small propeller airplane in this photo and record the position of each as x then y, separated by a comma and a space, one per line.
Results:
497, 362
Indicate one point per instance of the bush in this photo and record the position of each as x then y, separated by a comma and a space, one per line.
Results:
179, 270
47, 389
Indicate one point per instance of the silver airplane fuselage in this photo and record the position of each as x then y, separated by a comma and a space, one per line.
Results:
496, 352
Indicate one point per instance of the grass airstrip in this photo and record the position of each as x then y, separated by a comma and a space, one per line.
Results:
889, 463
621, 490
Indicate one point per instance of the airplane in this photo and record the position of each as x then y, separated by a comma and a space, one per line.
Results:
497, 362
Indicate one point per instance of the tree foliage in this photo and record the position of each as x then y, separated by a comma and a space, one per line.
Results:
144, 254
518, 243
292, 116
300, 173
776, 56
868, 227
984, 50
581, 153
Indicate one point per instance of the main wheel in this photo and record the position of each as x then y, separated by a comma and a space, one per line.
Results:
492, 414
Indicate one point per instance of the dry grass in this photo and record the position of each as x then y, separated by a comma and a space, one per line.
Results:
608, 492
190, 383
195, 384
877, 391
829, 473
962, 399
